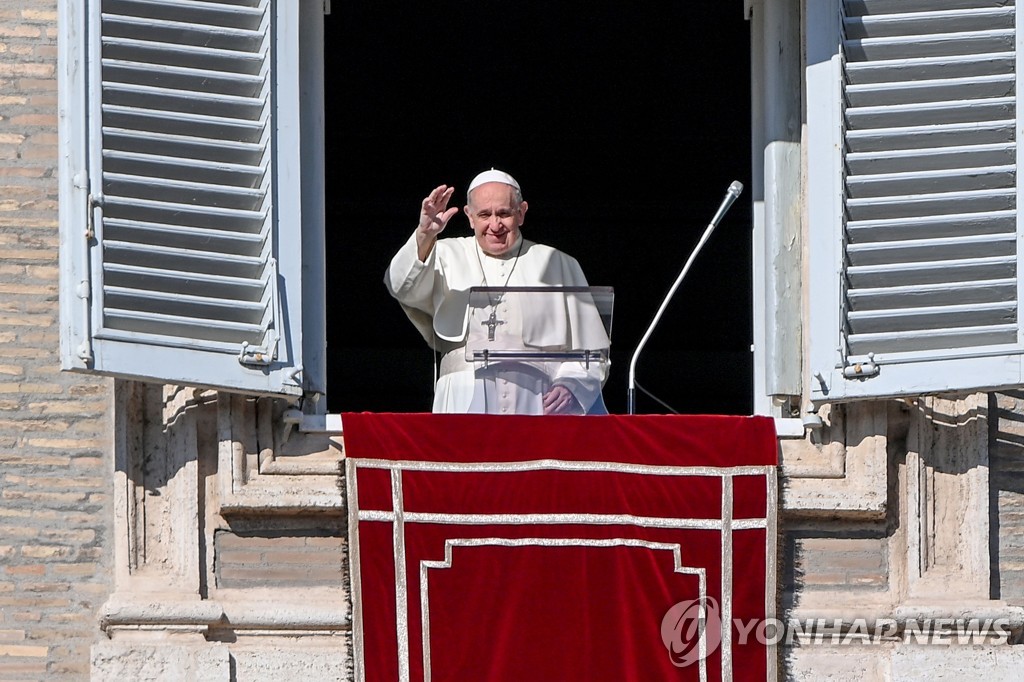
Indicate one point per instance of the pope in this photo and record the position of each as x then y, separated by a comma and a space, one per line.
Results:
431, 279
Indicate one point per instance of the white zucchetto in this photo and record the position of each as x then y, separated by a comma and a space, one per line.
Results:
493, 176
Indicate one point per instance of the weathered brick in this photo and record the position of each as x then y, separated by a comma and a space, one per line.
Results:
20, 31
35, 120
33, 425
45, 587
42, 272
19, 289
33, 601
25, 616
15, 533
47, 551
43, 497
76, 570
36, 84
26, 387
35, 569
12, 666
39, 15
77, 408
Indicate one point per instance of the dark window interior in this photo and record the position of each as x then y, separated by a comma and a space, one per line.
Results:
624, 122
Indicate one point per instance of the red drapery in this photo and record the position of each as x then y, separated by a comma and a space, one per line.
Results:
553, 548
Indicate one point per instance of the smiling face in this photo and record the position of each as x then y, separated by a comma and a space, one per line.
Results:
495, 217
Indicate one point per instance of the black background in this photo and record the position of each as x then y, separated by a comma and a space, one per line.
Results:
624, 122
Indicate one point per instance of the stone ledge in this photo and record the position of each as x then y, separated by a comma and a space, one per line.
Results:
153, 613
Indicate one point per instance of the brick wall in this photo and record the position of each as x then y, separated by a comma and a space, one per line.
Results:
288, 558
848, 559
55, 515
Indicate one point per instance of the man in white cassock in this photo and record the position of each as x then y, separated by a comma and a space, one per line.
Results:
431, 279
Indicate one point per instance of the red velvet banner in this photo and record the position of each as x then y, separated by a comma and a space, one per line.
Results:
560, 548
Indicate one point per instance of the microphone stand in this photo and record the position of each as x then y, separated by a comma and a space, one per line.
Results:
735, 189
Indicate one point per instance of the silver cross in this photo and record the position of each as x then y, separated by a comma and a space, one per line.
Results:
491, 324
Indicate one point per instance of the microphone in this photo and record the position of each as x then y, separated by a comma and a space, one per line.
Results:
731, 194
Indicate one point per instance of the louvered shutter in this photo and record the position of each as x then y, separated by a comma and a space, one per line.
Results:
186, 250
918, 290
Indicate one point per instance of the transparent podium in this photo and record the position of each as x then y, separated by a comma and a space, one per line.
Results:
524, 341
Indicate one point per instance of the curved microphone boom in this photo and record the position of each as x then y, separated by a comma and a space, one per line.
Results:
731, 194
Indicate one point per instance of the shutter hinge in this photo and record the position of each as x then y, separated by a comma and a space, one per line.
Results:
327, 7
85, 348
264, 355
862, 370
95, 201
84, 289
259, 355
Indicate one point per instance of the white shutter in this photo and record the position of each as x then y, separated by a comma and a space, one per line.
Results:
186, 252
927, 291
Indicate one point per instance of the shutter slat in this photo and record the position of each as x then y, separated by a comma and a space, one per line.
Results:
931, 272
181, 191
185, 78
208, 104
185, 260
935, 45
923, 250
173, 168
184, 305
862, 7
928, 136
924, 295
880, 208
937, 90
940, 158
169, 213
218, 60
916, 227
932, 339
193, 284
184, 123
934, 317
929, 68
927, 22
185, 146
931, 182
175, 325
931, 113
183, 33
223, 14
183, 236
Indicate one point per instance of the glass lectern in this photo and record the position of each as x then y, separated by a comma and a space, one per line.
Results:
522, 341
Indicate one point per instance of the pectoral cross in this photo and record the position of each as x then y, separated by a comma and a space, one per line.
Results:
492, 323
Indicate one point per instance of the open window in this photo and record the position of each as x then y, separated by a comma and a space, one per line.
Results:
192, 192
912, 194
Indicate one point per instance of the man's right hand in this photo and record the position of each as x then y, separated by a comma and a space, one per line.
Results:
434, 217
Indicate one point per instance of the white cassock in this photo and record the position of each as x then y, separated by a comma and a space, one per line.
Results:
435, 296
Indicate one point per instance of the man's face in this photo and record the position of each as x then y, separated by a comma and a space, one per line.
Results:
495, 217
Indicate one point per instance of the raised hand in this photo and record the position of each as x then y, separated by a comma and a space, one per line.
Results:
434, 217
